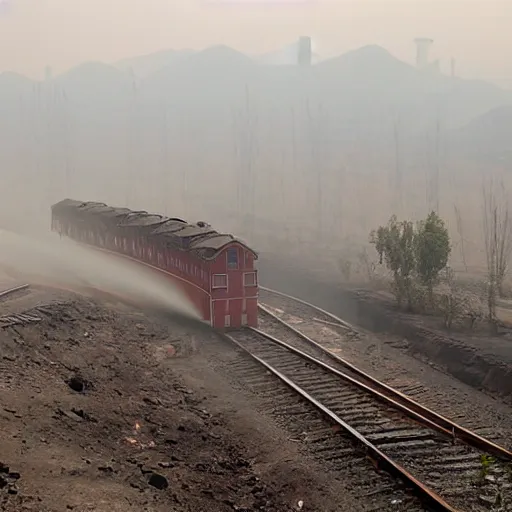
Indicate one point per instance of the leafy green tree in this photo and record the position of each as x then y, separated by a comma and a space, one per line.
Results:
395, 245
432, 250
411, 253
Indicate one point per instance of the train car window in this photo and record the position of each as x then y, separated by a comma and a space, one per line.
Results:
232, 256
220, 281
250, 279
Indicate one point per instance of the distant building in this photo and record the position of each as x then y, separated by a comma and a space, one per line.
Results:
304, 51
422, 61
422, 47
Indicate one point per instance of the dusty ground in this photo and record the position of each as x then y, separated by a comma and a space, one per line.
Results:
102, 408
474, 357
479, 360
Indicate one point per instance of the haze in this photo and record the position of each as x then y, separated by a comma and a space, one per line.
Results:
48, 261
63, 33
212, 112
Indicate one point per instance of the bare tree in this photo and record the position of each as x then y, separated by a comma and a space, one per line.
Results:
497, 227
246, 150
433, 164
460, 231
398, 185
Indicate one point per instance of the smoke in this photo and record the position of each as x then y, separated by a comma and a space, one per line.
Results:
5, 7
61, 263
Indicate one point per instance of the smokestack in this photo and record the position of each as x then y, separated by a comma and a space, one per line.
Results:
422, 47
304, 52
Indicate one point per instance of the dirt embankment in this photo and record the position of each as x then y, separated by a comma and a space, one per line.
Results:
482, 362
95, 415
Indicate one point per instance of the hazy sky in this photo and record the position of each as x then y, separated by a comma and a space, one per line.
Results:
63, 33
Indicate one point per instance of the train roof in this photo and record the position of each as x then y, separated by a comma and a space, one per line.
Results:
199, 238
141, 219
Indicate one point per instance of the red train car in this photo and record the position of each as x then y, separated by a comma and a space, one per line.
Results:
215, 270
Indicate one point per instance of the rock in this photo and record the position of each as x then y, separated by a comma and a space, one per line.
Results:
12, 490
145, 470
3, 482
4, 468
152, 401
69, 414
158, 481
83, 415
171, 441
488, 500
14, 475
166, 464
106, 469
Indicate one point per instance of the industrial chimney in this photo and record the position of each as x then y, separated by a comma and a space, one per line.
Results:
422, 47
304, 51
48, 73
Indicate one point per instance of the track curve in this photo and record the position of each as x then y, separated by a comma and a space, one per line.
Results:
440, 460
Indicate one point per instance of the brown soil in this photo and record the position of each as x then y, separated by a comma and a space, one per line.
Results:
478, 359
104, 409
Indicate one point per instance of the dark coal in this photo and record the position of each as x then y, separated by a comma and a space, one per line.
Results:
77, 384
158, 481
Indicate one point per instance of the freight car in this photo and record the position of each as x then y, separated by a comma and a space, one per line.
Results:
215, 270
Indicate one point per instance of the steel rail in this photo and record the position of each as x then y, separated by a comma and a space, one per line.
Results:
381, 397
443, 423
342, 323
428, 497
4, 293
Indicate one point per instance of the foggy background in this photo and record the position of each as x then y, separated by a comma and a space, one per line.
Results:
296, 151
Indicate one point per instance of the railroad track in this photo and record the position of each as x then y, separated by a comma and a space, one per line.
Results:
335, 338
11, 291
14, 319
273, 324
447, 466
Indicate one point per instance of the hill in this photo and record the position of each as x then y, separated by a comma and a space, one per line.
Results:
486, 137
216, 130
145, 65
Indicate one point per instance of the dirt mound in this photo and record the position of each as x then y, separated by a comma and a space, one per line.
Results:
93, 418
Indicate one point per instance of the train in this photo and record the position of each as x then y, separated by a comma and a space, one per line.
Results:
216, 271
